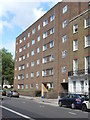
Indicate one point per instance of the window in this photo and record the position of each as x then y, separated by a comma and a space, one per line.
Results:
19, 68
39, 27
28, 44
87, 22
75, 45
38, 50
26, 86
24, 38
75, 28
64, 24
23, 67
87, 64
31, 86
32, 53
23, 57
52, 18
45, 22
37, 74
28, 35
24, 47
23, 76
64, 69
51, 72
51, 31
27, 65
37, 86
87, 40
64, 38
27, 55
52, 58
74, 86
45, 35
64, 9
82, 86
48, 72
38, 62
20, 50
45, 47
20, 59
33, 42
44, 60
44, 73
20, 41
38, 39
51, 44
75, 66
32, 74
32, 63
33, 31
27, 75
64, 53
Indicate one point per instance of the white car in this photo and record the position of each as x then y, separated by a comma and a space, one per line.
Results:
85, 105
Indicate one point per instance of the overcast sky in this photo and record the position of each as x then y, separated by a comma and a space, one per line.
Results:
17, 15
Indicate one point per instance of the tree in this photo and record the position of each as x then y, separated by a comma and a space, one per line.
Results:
7, 66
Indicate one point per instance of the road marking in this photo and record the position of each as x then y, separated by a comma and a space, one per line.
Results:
23, 102
72, 113
17, 113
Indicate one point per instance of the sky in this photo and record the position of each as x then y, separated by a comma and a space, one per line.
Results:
16, 16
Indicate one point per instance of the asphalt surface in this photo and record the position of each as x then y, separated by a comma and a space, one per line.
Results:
20, 108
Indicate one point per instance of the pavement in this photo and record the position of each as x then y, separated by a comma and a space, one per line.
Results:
53, 102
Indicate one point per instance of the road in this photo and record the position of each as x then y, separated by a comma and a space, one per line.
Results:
28, 109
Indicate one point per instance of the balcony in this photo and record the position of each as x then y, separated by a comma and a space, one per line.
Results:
79, 72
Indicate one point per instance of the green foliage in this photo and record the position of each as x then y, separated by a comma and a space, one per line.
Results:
7, 66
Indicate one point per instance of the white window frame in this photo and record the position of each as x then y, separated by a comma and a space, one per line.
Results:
87, 41
33, 31
51, 44
45, 22
64, 9
75, 28
52, 18
37, 74
32, 53
75, 45
64, 38
38, 50
64, 53
33, 41
28, 34
32, 64
51, 30
39, 26
27, 55
45, 47
28, 44
32, 74
38, 38
38, 62
45, 35
64, 69
85, 22
64, 23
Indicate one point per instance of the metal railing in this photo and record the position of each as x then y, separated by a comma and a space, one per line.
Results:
79, 72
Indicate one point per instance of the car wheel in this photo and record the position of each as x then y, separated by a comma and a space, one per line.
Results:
84, 107
73, 106
60, 104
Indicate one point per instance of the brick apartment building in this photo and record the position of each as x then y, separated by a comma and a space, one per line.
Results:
44, 52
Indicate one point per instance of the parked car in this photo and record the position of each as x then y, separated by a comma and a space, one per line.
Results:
86, 105
13, 93
3, 93
72, 100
